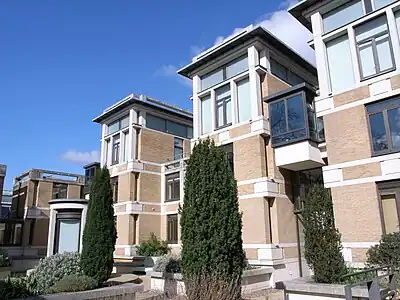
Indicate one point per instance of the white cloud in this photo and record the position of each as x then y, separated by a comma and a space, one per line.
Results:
81, 157
196, 50
286, 28
170, 71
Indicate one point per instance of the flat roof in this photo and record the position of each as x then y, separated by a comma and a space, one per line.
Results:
144, 100
297, 11
239, 39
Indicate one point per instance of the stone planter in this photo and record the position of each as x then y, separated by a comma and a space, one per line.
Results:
252, 280
145, 264
5, 272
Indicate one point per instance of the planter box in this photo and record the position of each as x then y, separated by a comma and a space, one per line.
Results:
145, 264
5, 272
305, 288
252, 280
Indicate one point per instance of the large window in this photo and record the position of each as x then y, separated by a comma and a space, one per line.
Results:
178, 148
173, 187
284, 73
168, 126
340, 64
115, 149
374, 48
384, 123
125, 136
206, 123
342, 15
114, 186
118, 125
60, 190
172, 229
236, 67
243, 95
228, 148
11, 233
293, 118
223, 106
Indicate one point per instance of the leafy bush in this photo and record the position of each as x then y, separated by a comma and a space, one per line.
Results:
386, 253
14, 288
322, 240
153, 247
4, 259
73, 283
51, 269
212, 246
100, 234
169, 263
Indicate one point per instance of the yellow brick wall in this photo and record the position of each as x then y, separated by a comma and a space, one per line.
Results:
156, 146
74, 191
126, 187
351, 96
148, 224
45, 193
126, 230
395, 82
149, 187
40, 232
362, 171
255, 220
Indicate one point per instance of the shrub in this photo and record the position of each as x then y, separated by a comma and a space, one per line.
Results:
51, 269
99, 235
14, 288
73, 283
153, 247
211, 222
386, 253
322, 239
169, 263
4, 259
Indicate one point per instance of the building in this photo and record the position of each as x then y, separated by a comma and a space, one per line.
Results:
253, 95
144, 144
3, 171
24, 231
5, 204
358, 62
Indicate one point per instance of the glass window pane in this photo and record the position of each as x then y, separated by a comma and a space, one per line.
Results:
114, 127
382, 105
206, 124
125, 122
312, 125
368, 67
126, 146
223, 105
228, 108
155, 123
237, 67
278, 118
243, 93
390, 217
211, 79
342, 15
220, 115
378, 132
68, 235
381, 3
178, 153
397, 16
340, 64
278, 70
189, 132
371, 28
384, 53
293, 79
176, 128
394, 127
295, 112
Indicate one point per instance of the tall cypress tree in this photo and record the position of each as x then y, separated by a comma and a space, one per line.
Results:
322, 240
210, 220
99, 235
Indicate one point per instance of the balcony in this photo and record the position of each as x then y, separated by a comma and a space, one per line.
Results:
295, 130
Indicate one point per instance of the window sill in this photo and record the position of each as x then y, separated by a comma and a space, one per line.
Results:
223, 126
362, 80
172, 200
385, 153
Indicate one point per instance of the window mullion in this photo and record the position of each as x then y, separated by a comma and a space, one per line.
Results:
375, 55
286, 116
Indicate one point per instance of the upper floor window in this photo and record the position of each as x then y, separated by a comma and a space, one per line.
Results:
223, 106
284, 73
60, 190
116, 145
173, 187
172, 229
374, 48
168, 126
206, 115
236, 67
118, 125
384, 123
178, 148
243, 99
342, 15
228, 148
114, 186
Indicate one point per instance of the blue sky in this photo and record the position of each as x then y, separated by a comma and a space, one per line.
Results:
63, 62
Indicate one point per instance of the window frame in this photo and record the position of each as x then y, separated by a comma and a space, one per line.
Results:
119, 121
172, 237
114, 186
173, 177
372, 40
224, 109
166, 129
115, 160
386, 124
388, 188
59, 186
287, 72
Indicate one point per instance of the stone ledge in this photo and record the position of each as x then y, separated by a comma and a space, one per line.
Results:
128, 289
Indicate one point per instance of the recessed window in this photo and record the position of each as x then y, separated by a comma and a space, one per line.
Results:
374, 48
172, 229
178, 148
342, 15
60, 190
115, 149
340, 64
173, 187
206, 124
243, 95
223, 106
168, 126
118, 125
125, 136
228, 148
389, 193
114, 186
384, 123
284, 73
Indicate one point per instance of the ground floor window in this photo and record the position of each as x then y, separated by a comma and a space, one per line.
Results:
302, 182
10, 233
172, 229
389, 194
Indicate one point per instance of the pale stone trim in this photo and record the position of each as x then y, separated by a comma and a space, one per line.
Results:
260, 195
363, 180
363, 161
261, 179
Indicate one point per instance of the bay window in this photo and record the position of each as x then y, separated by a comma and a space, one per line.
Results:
374, 48
243, 95
340, 64
223, 105
384, 123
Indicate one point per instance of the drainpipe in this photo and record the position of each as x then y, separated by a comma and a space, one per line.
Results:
298, 246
